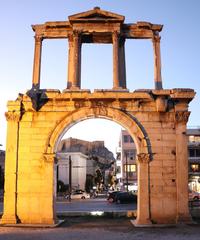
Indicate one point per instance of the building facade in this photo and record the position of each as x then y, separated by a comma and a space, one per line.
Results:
78, 169
194, 158
126, 153
126, 162
86, 158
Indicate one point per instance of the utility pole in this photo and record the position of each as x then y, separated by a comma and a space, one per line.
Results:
70, 177
126, 172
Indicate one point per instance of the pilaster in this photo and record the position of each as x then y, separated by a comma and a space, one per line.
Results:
143, 204
183, 214
11, 169
50, 160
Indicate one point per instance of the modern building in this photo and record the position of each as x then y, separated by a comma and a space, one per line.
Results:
126, 162
86, 158
78, 169
126, 156
194, 158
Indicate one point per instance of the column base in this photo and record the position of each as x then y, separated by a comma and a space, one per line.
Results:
75, 89
184, 219
120, 89
9, 219
142, 223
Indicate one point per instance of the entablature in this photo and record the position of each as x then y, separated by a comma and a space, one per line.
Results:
95, 21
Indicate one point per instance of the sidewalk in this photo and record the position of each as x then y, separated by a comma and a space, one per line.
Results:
103, 229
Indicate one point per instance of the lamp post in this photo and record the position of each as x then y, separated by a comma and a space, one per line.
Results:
126, 171
70, 177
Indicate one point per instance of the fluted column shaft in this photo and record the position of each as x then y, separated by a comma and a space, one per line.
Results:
116, 73
122, 65
74, 62
157, 62
37, 62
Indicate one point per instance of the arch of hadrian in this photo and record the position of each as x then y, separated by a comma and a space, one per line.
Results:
155, 118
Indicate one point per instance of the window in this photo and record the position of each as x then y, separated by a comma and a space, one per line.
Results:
194, 152
194, 138
130, 168
126, 138
130, 174
191, 153
118, 170
130, 154
194, 167
197, 152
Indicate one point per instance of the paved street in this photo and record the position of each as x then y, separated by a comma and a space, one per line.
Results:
88, 205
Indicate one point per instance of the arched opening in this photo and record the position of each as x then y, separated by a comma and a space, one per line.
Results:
137, 133
96, 161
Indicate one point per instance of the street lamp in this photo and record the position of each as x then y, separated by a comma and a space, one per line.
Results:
126, 171
70, 177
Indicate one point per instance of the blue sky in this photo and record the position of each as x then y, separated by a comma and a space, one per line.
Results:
180, 48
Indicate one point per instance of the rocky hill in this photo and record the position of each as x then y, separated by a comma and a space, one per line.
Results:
94, 150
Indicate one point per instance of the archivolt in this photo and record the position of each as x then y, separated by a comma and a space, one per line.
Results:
126, 120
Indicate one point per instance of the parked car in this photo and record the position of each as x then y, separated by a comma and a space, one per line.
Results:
193, 195
125, 197
78, 194
112, 196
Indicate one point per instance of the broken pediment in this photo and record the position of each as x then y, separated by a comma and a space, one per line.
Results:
96, 15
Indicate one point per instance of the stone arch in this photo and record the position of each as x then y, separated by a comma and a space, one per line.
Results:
125, 119
137, 132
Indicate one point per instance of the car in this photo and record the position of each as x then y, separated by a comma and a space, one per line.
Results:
193, 195
112, 196
78, 194
125, 197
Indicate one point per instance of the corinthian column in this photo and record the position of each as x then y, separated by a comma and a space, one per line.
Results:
122, 65
74, 62
157, 62
37, 62
116, 61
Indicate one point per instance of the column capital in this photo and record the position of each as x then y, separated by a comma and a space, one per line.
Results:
76, 34
70, 37
143, 158
181, 117
49, 157
38, 38
156, 38
13, 116
115, 36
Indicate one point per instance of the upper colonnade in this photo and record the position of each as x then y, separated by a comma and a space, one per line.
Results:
96, 26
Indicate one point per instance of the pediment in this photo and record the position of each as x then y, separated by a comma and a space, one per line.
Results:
96, 15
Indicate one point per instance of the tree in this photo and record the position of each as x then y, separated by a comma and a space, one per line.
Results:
111, 179
98, 179
89, 182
